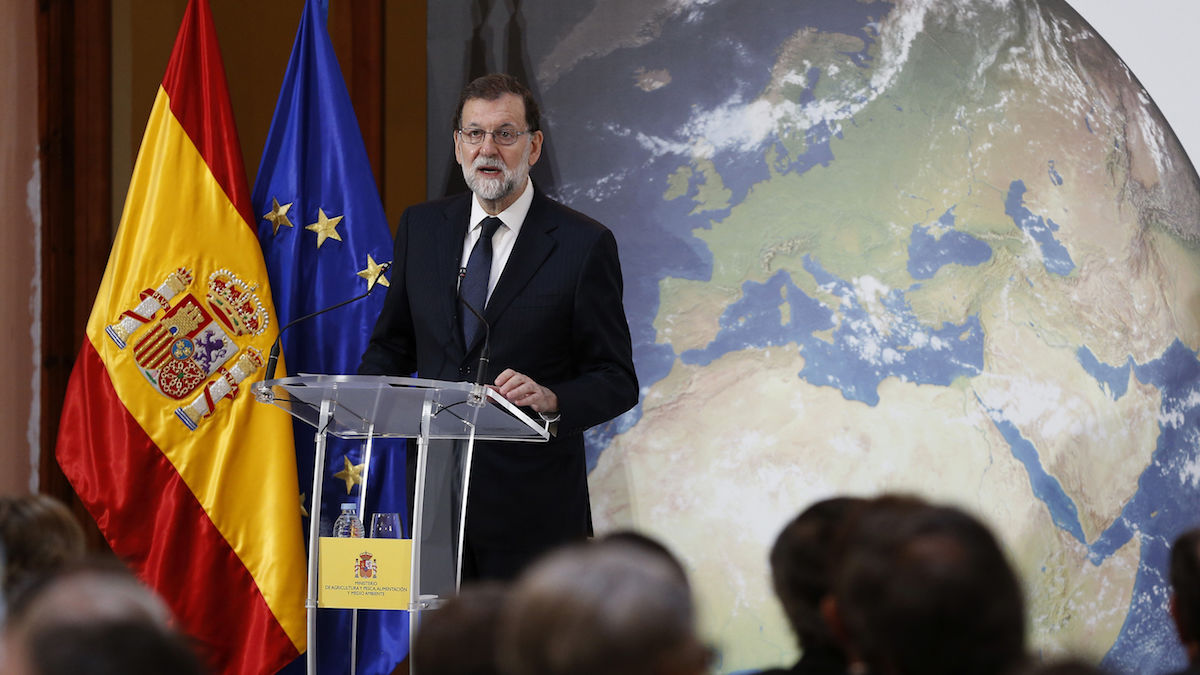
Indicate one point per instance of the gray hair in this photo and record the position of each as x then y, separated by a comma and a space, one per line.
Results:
594, 610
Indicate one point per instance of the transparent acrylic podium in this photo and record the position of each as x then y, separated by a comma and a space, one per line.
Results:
446, 418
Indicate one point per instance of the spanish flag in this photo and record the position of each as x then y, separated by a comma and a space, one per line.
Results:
191, 480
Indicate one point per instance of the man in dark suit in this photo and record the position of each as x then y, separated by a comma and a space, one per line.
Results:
551, 292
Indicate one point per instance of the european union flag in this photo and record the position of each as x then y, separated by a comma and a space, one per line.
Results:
324, 234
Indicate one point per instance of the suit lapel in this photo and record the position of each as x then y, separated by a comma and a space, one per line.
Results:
534, 244
449, 236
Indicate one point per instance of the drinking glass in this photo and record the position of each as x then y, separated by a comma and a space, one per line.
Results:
385, 526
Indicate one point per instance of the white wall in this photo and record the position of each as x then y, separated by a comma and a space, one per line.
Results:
1157, 40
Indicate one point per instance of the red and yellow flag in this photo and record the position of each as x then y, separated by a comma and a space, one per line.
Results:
192, 482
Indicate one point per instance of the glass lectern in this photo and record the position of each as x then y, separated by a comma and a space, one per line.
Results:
446, 418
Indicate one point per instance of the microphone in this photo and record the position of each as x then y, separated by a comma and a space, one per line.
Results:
273, 359
478, 393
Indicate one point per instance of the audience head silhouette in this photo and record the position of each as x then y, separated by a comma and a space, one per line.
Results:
39, 535
1066, 666
116, 647
459, 638
1185, 591
597, 610
926, 590
93, 618
802, 567
646, 543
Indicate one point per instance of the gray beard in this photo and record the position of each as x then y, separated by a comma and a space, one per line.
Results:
490, 189
495, 189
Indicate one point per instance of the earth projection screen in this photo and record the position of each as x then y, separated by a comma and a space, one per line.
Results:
947, 247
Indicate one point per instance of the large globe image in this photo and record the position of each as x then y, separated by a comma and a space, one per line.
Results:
944, 247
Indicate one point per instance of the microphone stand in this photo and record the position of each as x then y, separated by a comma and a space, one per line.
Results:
273, 359
478, 396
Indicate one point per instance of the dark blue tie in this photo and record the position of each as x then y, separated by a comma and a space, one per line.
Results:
475, 282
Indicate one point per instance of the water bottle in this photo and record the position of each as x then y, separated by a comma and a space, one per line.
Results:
348, 523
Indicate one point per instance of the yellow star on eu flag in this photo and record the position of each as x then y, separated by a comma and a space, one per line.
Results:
303, 505
325, 227
352, 474
372, 273
278, 215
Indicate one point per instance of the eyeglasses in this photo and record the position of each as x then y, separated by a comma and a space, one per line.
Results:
475, 136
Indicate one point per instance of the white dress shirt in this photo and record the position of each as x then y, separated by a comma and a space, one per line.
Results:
502, 242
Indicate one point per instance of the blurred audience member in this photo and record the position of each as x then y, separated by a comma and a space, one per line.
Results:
645, 542
39, 535
93, 618
1068, 666
105, 647
1185, 596
600, 610
459, 638
90, 590
926, 590
801, 566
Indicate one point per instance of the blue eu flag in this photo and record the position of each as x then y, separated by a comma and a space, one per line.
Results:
324, 234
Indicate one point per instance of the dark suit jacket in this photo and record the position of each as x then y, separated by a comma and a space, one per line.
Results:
556, 315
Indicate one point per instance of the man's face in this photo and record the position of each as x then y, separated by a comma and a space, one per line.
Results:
497, 173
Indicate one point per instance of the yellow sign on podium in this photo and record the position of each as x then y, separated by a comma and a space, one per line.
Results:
364, 573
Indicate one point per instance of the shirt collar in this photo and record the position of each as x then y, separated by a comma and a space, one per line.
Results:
512, 217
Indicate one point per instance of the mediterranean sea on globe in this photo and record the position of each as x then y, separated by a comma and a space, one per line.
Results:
946, 247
